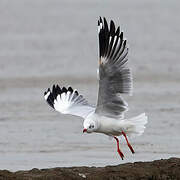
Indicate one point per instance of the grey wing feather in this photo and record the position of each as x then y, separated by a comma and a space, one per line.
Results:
114, 75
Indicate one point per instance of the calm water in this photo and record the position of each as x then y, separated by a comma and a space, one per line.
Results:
51, 41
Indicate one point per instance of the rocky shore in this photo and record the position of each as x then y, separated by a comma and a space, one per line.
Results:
164, 169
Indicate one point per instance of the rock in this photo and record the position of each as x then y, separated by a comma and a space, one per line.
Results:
164, 169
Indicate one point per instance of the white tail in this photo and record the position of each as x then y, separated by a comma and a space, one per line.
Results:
137, 124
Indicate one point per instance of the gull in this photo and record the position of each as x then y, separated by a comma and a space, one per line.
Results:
115, 79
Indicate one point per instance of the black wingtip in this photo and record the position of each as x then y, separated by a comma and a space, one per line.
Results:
70, 89
58, 89
64, 90
76, 92
121, 35
49, 99
112, 28
51, 94
105, 22
111, 42
106, 29
100, 19
117, 31
98, 23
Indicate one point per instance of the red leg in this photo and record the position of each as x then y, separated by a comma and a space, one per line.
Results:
118, 149
130, 147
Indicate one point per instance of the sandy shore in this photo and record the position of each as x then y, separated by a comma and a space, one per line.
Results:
160, 169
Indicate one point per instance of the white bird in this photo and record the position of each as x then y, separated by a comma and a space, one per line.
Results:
115, 78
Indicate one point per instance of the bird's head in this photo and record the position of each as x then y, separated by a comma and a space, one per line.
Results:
89, 126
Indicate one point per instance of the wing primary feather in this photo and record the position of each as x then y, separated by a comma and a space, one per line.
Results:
121, 51
119, 46
115, 43
112, 27
64, 90
70, 89
106, 32
122, 61
58, 89
49, 98
101, 39
54, 91
76, 92
112, 33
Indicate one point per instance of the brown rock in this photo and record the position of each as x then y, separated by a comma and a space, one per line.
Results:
167, 169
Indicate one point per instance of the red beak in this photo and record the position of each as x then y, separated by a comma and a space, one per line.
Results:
84, 130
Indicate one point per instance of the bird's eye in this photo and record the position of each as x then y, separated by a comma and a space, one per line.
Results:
91, 126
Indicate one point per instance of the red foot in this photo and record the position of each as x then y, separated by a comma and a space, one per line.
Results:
121, 154
130, 147
118, 149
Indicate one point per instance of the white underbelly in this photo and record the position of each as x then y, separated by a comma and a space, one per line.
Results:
110, 126
114, 127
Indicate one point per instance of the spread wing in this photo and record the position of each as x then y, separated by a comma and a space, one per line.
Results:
68, 101
114, 75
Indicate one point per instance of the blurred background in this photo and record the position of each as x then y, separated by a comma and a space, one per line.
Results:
55, 41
